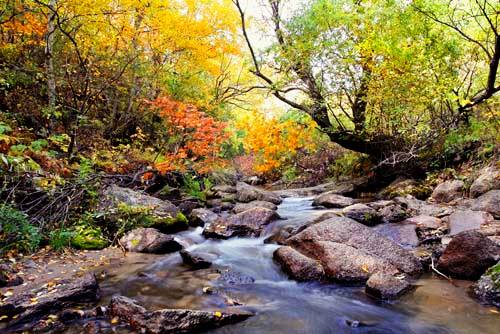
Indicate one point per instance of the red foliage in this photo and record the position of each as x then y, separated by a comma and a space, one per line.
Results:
195, 138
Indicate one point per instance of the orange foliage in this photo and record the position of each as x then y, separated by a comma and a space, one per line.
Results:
29, 25
273, 143
195, 138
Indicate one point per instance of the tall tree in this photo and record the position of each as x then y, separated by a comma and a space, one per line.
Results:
377, 76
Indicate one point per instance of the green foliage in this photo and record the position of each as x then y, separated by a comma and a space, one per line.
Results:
290, 174
479, 139
197, 188
61, 238
350, 164
16, 232
39, 145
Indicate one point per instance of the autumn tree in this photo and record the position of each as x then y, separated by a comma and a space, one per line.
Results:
381, 77
193, 138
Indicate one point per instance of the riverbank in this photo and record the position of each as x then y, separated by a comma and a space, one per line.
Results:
227, 269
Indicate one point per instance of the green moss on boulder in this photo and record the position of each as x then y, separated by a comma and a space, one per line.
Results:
88, 237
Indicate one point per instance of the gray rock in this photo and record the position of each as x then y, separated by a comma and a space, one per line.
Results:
68, 293
297, 265
424, 221
466, 220
165, 321
489, 179
489, 202
167, 216
333, 200
384, 286
341, 188
403, 233
134, 198
392, 213
253, 180
246, 193
487, 289
448, 191
247, 223
240, 207
197, 260
9, 277
417, 207
468, 255
225, 188
363, 214
356, 237
380, 204
149, 240
200, 217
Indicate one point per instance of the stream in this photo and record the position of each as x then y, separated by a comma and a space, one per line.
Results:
285, 306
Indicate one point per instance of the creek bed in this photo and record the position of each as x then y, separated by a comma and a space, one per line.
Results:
285, 306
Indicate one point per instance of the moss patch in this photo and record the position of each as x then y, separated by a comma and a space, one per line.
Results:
88, 237
170, 224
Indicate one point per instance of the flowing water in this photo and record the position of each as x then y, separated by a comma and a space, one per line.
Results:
285, 306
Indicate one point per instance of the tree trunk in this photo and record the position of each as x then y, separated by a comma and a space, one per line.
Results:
49, 49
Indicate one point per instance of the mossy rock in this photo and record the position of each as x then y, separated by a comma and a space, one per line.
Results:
89, 238
169, 224
407, 187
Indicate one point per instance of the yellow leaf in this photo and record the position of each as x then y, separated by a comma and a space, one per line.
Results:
218, 314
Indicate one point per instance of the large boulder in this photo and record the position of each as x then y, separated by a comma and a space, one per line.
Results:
28, 303
448, 191
240, 207
350, 251
384, 286
165, 321
149, 240
466, 220
297, 265
201, 216
122, 203
488, 179
468, 255
246, 193
488, 287
247, 223
362, 213
333, 200
489, 202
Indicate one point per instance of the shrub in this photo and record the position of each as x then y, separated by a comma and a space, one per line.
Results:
60, 238
16, 232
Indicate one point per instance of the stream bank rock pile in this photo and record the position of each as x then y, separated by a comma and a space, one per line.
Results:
387, 242
343, 250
